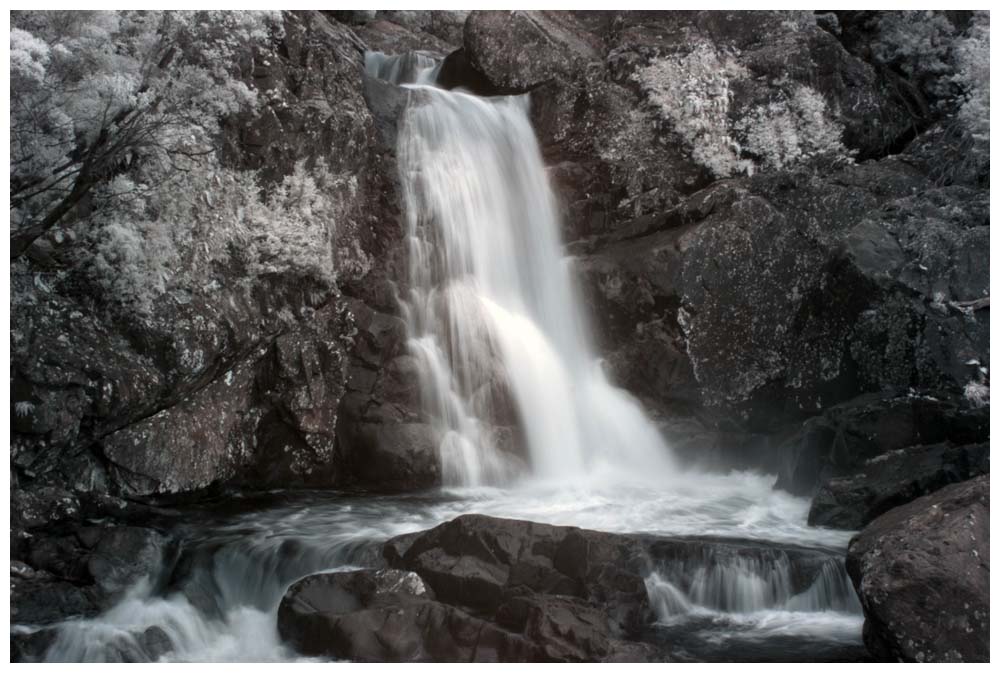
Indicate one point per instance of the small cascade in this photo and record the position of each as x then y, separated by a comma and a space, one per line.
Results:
218, 601
759, 604
413, 67
714, 579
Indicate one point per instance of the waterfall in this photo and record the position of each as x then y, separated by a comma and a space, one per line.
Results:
508, 371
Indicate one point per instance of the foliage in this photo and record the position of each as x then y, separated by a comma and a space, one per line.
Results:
951, 66
972, 76
96, 92
694, 94
209, 220
792, 130
115, 136
977, 393
919, 44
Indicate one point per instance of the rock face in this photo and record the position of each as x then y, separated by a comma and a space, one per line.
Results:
895, 478
815, 293
480, 589
922, 573
518, 51
240, 384
873, 427
385, 441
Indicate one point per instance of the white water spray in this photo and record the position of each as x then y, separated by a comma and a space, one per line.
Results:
492, 311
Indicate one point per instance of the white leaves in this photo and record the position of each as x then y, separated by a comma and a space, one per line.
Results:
83, 78
977, 393
793, 130
175, 242
972, 74
693, 93
28, 55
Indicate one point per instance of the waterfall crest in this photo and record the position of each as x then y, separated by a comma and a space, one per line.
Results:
493, 314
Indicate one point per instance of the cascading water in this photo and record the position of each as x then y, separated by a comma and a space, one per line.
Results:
492, 310
530, 429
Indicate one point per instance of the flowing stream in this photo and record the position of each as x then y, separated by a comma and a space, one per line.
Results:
530, 428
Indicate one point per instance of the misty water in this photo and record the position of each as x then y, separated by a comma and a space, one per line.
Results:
531, 429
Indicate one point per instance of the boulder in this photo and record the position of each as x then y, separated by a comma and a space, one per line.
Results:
121, 557
481, 562
518, 51
385, 616
922, 573
480, 589
893, 479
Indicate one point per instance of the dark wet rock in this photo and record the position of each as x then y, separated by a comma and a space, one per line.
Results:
922, 573
384, 439
844, 438
458, 72
387, 102
122, 556
480, 589
535, 592
330, 615
76, 570
344, 592
893, 479
28, 645
268, 418
44, 506
480, 562
391, 455
155, 643
38, 598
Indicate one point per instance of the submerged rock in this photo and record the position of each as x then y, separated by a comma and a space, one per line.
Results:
922, 572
